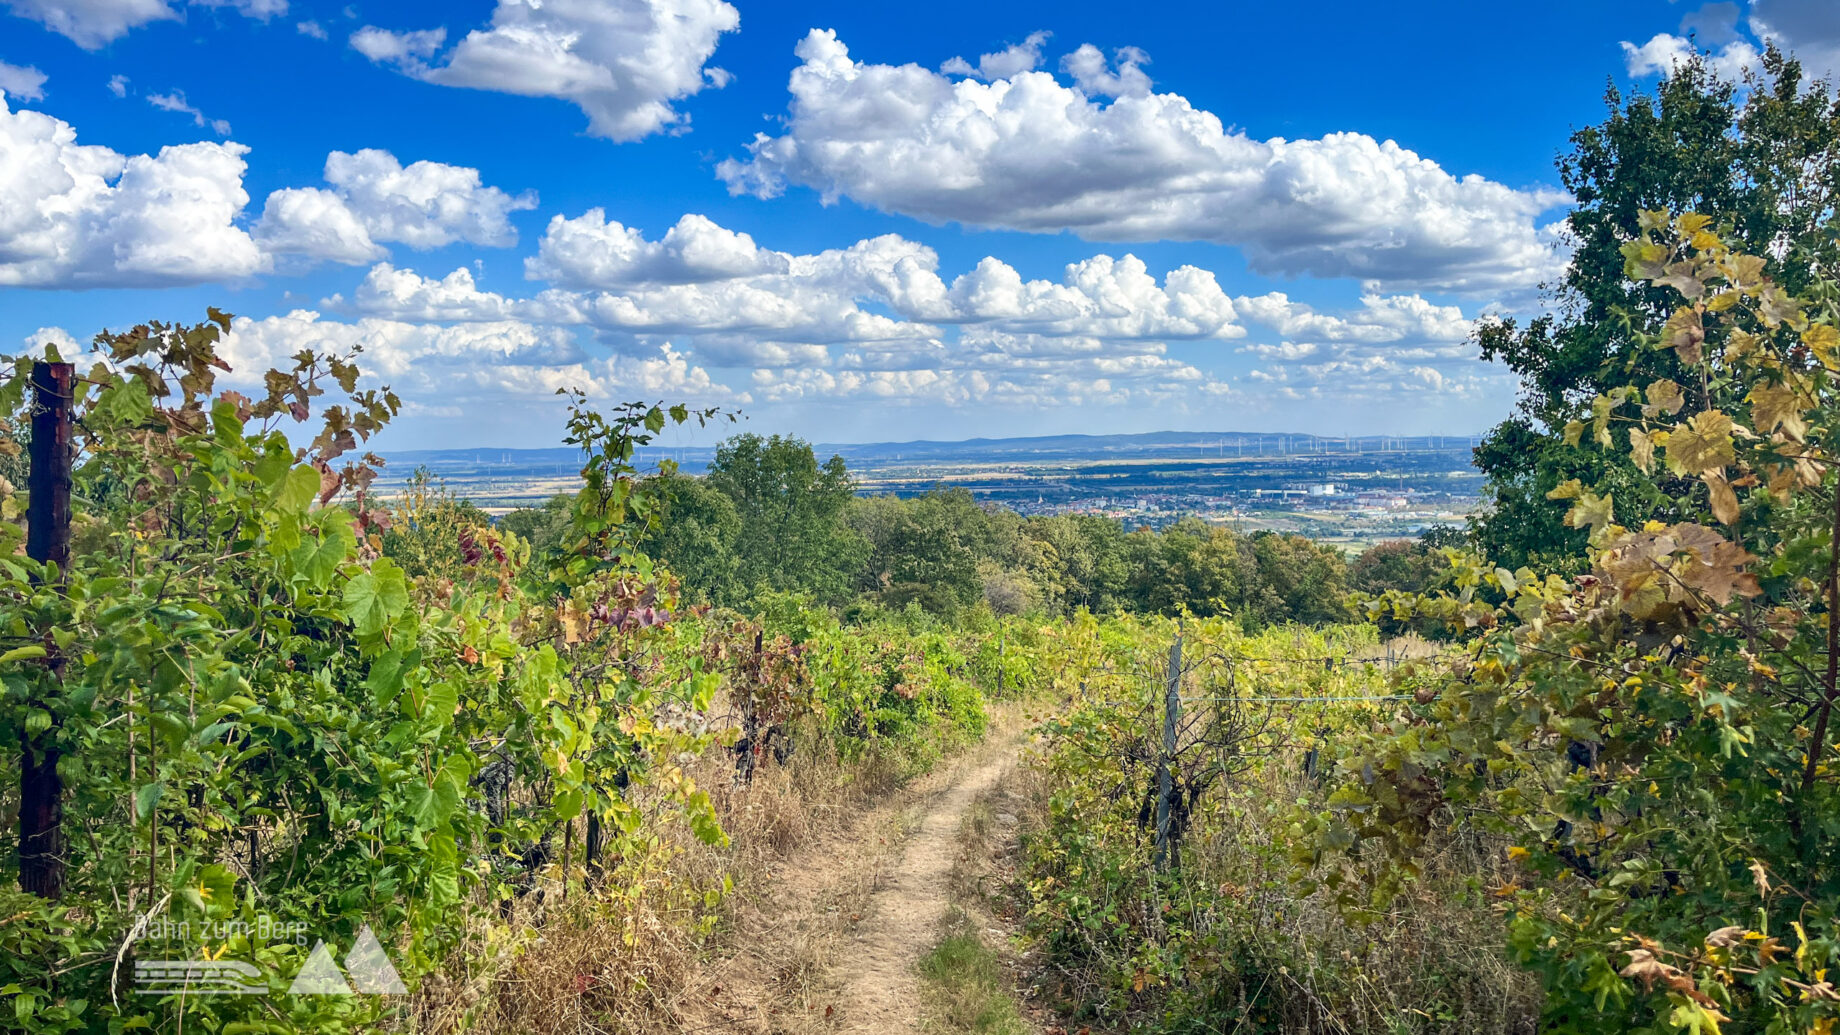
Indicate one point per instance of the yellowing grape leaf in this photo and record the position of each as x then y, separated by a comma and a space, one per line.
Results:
1777, 406
1823, 340
1591, 511
1600, 419
1660, 570
1684, 332
1718, 568
1642, 449
1778, 307
1724, 500
1644, 260
1644, 967
1744, 271
1702, 444
1741, 344
1664, 396
1570, 489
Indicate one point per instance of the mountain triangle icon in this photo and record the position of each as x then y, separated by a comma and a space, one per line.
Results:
319, 975
371, 970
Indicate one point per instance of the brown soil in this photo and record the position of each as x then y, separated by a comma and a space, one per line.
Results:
830, 941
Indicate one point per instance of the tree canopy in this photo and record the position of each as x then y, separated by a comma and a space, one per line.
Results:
1765, 159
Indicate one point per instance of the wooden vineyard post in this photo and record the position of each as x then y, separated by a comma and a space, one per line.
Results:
999, 694
1165, 783
41, 790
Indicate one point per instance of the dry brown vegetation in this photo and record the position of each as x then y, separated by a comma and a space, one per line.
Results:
631, 955
754, 936
1272, 954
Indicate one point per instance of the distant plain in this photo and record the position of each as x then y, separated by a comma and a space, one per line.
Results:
1348, 491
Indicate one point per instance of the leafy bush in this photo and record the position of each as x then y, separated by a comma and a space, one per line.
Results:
1239, 934
1651, 741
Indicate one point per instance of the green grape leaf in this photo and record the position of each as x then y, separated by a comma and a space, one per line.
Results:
374, 597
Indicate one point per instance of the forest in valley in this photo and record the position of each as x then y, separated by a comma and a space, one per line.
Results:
769, 519
1571, 768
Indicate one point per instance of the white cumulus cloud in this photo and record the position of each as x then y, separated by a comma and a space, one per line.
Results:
406, 295
1017, 57
176, 101
702, 277
1380, 320
1809, 29
1665, 52
1731, 42
1110, 159
591, 252
876, 320
468, 362
623, 62
22, 82
383, 45
74, 215
1096, 78
93, 24
65, 341
374, 198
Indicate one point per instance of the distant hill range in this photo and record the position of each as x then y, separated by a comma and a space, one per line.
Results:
561, 462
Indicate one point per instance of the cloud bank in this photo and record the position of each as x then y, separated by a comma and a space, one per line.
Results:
1109, 159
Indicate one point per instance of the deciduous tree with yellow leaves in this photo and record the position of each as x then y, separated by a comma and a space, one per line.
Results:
1651, 741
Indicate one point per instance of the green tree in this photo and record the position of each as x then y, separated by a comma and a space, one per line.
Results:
1083, 561
926, 548
793, 536
696, 539
1190, 565
1407, 565
542, 527
1770, 162
1298, 580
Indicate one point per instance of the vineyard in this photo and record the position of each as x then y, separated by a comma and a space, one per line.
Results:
747, 753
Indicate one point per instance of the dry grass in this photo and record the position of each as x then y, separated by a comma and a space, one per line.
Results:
628, 957
1293, 962
601, 961
1431, 962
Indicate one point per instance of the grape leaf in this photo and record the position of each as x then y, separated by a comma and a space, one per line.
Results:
374, 597
1702, 444
1724, 500
1664, 396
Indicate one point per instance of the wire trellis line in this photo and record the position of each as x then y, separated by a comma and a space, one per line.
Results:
1305, 700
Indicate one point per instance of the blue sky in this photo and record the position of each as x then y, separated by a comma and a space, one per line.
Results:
853, 222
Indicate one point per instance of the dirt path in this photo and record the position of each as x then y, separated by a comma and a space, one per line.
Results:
876, 980
831, 942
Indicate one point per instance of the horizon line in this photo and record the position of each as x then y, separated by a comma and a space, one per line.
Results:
990, 439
